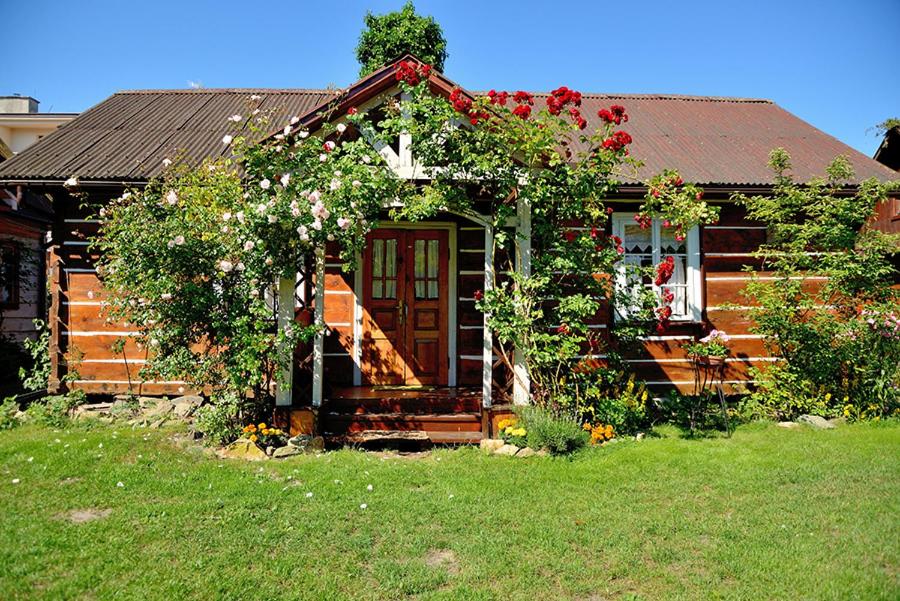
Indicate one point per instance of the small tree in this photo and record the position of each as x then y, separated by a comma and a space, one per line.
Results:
388, 37
829, 313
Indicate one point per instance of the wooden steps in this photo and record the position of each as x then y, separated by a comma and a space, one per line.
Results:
370, 415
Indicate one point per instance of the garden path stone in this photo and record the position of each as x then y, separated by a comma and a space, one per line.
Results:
526, 452
491, 445
507, 449
243, 448
286, 451
819, 423
788, 425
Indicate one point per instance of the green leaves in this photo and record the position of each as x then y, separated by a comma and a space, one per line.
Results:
389, 36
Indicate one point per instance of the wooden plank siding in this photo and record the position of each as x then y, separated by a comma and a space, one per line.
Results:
83, 337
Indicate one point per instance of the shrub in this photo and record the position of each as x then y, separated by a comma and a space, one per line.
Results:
264, 435
221, 421
611, 397
8, 410
37, 374
560, 434
55, 411
512, 432
390, 36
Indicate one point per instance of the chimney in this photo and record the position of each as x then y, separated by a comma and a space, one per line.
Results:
18, 104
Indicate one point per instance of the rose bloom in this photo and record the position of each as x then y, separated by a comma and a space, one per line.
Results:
264, 184
226, 139
285, 179
172, 197
235, 118
226, 266
341, 128
179, 240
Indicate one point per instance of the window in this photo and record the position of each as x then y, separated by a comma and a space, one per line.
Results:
10, 259
648, 247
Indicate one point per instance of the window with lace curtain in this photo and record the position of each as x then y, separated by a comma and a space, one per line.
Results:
648, 247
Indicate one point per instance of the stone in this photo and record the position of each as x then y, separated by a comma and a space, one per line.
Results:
158, 423
243, 448
526, 452
304, 442
838, 421
815, 421
639, 436
507, 449
184, 410
269, 450
162, 407
286, 451
542, 453
490, 444
788, 425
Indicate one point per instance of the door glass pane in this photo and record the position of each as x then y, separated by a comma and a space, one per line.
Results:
377, 257
391, 259
420, 259
377, 288
432, 259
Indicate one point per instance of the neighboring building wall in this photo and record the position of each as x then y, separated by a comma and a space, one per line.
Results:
16, 318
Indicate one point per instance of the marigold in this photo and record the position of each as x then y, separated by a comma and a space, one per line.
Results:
253, 438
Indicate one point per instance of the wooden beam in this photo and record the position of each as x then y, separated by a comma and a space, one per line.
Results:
487, 369
319, 344
522, 381
284, 391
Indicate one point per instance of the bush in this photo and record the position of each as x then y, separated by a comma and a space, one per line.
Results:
8, 410
221, 421
55, 411
611, 396
560, 434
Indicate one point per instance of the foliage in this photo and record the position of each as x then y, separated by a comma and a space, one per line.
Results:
558, 433
264, 435
609, 395
501, 148
714, 344
220, 420
55, 411
38, 375
887, 125
198, 285
830, 312
389, 36
8, 410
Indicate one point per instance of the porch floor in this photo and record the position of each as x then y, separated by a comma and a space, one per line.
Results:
438, 415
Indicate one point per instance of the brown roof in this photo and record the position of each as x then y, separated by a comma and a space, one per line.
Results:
710, 140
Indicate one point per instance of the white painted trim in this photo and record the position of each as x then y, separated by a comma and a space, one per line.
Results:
686, 382
522, 379
74, 243
466, 327
85, 303
338, 292
79, 270
319, 316
357, 320
471, 272
472, 250
338, 324
739, 278
85, 333
124, 361
734, 227
129, 382
82, 221
284, 391
487, 338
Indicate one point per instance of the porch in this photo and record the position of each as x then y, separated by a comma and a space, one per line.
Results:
411, 416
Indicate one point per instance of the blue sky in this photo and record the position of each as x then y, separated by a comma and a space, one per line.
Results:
834, 64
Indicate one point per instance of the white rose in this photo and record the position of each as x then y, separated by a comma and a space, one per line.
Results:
272, 218
179, 240
295, 120
264, 184
166, 162
341, 128
356, 183
248, 245
226, 216
287, 130
172, 197
226, 139
285, 179
71, 182
366, 159
226, 266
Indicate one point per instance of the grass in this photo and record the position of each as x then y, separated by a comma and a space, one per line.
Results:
769, 513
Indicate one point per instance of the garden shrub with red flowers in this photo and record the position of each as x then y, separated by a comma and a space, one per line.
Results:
501, 147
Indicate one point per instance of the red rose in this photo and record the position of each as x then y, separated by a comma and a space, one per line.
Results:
563, 329
352, 110
521, 97
523, 111
479, 295
570, 236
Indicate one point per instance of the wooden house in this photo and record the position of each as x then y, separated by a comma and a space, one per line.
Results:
404, 345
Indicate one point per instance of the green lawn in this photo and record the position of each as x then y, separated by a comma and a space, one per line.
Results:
767, 514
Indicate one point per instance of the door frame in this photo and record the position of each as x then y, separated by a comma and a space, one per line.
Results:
452, 297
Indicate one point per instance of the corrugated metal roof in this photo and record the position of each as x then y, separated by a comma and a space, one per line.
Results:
710, 140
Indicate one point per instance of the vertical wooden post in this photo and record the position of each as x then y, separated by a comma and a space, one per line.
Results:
487, 369
284, 391
521, 380
54, 382
319, 316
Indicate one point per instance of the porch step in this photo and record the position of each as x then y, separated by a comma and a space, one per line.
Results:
419, 437
405, 405
345, 423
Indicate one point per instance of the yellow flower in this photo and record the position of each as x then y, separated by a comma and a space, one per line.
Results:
253, 438
644, 396
262, 425
519, 432
827, 397
509, 429
586, 426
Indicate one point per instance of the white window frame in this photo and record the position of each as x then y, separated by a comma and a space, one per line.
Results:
692, 277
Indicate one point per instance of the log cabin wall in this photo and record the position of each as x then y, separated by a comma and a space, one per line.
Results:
83, 339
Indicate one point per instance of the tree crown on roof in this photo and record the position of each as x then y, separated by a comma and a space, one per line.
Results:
389, 36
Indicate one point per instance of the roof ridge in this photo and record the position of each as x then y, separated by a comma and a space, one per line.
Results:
230, 91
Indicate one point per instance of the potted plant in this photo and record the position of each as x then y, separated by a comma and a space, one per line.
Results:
710, 350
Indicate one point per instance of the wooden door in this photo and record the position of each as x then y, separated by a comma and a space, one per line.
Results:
405, 307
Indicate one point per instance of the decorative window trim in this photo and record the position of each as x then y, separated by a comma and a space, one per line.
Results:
13, 249
693, 277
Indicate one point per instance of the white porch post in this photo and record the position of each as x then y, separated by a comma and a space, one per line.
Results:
487, 369
319, 317
522, 381
284, 390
